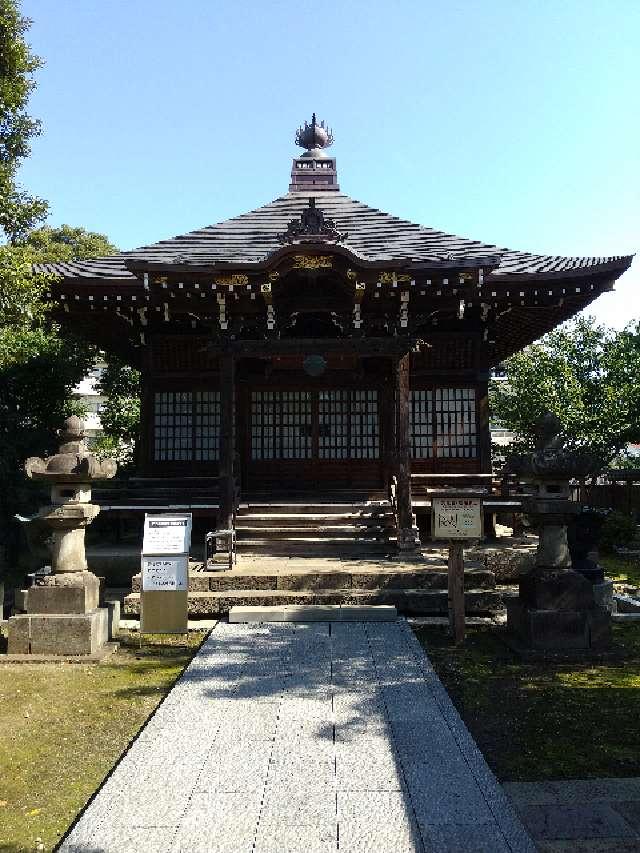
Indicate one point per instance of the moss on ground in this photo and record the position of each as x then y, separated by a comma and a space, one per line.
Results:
544, 720
63, 726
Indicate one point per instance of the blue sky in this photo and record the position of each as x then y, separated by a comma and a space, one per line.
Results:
514, 122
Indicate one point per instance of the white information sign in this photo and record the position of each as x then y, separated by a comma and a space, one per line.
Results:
457, 518
165, 573
167, 533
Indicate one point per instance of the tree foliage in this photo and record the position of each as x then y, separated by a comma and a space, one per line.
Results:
584, 373
40, 364
120, 413
66, 243
19, 211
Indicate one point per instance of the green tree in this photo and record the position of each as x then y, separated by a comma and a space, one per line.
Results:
40, 364
33, 348
120, 413
19, 211
587, 375
66, 243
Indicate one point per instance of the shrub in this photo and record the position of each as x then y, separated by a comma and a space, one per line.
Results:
617, 531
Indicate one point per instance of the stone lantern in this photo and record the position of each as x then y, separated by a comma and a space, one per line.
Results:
556, 609
62, 613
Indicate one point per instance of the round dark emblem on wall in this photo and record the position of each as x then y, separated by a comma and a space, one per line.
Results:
314, 365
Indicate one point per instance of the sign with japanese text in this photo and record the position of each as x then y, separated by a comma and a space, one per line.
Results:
167, 534
165, 573
164, 600
456, 518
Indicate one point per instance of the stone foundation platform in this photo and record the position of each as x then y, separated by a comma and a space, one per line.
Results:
73, 592
414, 588
57, 634
556, 631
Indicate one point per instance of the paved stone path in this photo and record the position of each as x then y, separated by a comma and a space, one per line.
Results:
582, 815
303, 739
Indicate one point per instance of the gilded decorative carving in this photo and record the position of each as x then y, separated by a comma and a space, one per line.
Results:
274, 276
312, 262
160, 279
352, 275
390, 277
234, 278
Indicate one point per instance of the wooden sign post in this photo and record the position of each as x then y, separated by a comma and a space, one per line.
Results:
165, 574
456, 518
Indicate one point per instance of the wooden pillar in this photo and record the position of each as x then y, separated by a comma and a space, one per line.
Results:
145, 445
408, 540
484, 428
456, 591
388, 426
227, 442
484, 450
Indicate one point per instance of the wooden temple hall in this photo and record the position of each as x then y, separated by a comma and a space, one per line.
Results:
314, 351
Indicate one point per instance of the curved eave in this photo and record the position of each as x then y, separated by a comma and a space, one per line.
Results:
272, 260
583, 267
130, 275
521, 325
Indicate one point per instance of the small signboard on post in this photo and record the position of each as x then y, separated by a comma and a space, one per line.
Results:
167, 534
165, 573
456, 518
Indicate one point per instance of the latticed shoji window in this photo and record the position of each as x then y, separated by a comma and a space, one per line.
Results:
421, 417
207, 426
348, 425
186, 426
444, 424
281, 425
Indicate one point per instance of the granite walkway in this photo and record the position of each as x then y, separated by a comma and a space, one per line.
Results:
580, 815
303, 739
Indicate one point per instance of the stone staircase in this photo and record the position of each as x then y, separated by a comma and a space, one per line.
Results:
333, 548
268, 581
342, 527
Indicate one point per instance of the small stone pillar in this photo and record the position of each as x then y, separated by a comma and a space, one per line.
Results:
62, 615
556, 610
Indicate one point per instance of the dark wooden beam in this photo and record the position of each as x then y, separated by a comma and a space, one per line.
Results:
145, 446
227, 441
407, 535
397, 346
484, 430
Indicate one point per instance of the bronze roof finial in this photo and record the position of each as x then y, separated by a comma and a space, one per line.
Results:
314, 137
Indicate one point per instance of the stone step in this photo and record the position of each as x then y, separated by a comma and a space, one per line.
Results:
314, 613
314, 508
412, 601
336, 532
433, 577
315, 496
299, 519
331, 548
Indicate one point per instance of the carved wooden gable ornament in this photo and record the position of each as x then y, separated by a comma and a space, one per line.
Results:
312, 226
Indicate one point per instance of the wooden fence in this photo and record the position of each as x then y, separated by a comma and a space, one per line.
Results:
615, 490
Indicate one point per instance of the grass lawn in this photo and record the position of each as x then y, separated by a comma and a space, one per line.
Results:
538, 721
621, 569
62, 727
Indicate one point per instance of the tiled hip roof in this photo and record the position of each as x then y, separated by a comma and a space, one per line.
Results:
373, 236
